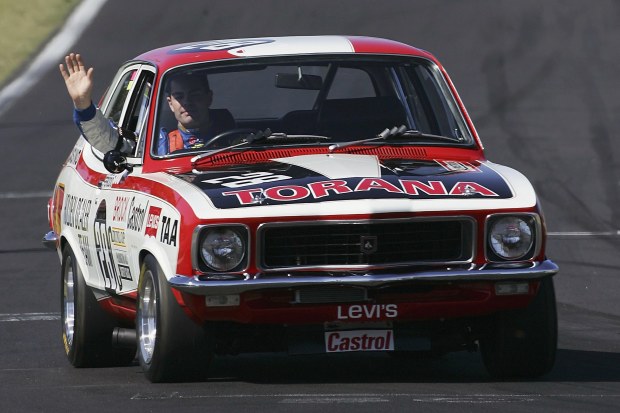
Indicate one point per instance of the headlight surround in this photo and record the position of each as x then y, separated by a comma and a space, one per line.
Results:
512, 237
223, 248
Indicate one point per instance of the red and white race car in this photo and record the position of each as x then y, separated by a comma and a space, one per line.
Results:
342, 203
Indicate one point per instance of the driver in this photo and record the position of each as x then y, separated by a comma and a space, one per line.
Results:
189, 98
188, 95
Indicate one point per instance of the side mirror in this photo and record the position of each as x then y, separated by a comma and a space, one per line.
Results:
115, 162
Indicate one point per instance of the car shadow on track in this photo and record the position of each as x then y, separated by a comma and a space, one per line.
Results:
585, 366
275, 368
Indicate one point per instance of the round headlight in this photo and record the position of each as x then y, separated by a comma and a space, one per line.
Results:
222, 249
511, 238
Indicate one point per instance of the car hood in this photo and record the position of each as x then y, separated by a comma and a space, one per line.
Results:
316, 179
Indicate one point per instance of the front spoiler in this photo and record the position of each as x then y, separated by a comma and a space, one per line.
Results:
194, 285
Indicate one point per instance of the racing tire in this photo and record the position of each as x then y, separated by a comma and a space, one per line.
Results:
523, 342
171, 347
86, 327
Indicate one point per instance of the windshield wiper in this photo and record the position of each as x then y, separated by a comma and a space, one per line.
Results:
266, 136
394, 133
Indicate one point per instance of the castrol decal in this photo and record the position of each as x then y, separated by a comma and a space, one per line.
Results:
359, 340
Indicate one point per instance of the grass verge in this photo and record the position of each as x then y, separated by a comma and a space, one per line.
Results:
27, 24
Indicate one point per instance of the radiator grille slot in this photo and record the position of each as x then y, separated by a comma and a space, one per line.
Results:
366, 243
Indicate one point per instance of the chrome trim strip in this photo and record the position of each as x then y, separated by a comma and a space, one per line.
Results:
471, 248
196, 286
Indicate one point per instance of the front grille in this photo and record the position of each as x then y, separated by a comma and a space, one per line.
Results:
364, 243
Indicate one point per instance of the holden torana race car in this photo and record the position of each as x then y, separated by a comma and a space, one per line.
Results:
342, 203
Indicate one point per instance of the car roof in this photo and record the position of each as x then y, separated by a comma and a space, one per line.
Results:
187, 53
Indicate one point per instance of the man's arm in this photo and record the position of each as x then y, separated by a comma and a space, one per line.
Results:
98, 130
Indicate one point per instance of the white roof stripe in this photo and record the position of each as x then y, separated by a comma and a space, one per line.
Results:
296, 45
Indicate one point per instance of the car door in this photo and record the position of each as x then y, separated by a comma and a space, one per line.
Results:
128, 106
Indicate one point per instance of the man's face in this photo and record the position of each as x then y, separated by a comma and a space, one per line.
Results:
189, 101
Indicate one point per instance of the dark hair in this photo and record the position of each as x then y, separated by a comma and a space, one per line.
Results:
201, 78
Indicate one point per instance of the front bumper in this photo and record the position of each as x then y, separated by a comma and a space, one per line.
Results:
194, 285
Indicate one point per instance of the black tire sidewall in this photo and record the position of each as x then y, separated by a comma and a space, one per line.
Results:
92, 330
523, 343
180, 352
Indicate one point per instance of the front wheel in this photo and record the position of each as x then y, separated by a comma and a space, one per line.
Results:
171, 347
523, 342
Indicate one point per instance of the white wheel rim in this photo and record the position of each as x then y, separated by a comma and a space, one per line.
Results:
147, 317
68, 300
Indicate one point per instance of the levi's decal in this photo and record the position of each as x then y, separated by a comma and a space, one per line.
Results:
152, 221
367, 311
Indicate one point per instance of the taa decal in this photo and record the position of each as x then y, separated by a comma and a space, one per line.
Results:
169, 229
363, 340
367, 311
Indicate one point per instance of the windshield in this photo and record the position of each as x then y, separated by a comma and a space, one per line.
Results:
346, 99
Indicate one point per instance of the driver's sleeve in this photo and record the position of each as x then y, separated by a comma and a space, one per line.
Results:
98, 130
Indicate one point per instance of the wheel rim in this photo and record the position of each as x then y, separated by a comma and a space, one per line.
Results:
147, 317
68, 300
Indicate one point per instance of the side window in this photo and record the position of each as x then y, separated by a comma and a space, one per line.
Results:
433, 114
137, 113
117, 102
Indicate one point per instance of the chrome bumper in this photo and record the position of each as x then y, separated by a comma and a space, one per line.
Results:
196, 286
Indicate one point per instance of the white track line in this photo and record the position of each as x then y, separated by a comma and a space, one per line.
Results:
51, 55
584, 234
4, 318
340, 398
25, 195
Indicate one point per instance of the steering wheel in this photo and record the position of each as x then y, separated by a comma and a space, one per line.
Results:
231, 132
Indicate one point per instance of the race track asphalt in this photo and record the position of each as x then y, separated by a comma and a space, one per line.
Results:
540, 82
